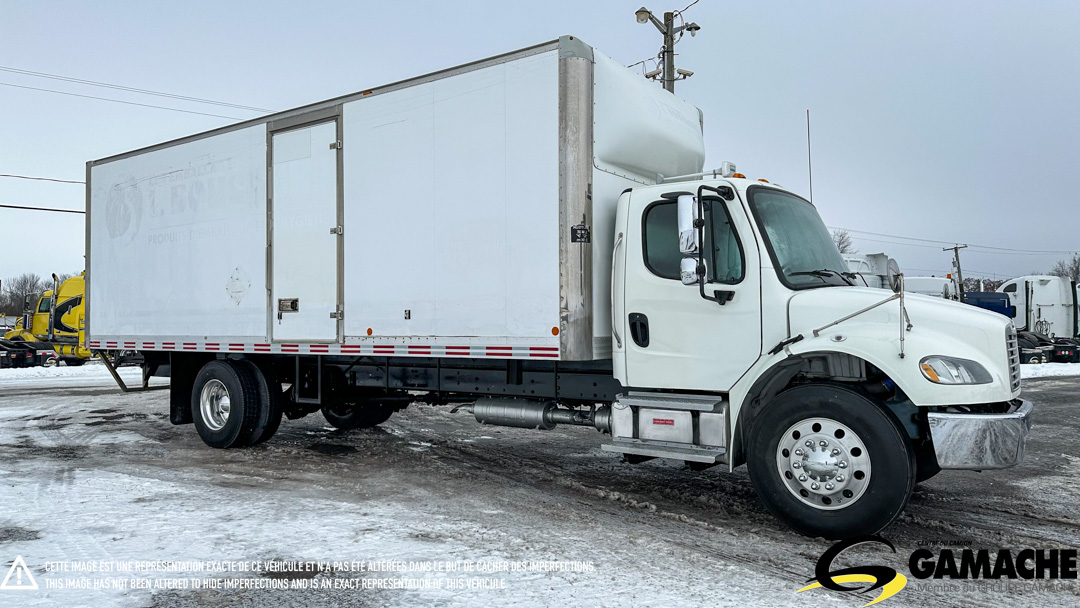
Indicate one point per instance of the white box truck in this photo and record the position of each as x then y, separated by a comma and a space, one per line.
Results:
533, 238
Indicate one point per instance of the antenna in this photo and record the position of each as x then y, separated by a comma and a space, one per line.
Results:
809, 162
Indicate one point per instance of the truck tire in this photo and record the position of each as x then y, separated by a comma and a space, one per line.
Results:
828, 461
73, 361
271, 401
225, 404
349, 416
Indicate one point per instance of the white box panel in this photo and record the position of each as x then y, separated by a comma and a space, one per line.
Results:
178, 240
451, 205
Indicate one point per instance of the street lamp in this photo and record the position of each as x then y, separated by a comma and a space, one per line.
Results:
668, 29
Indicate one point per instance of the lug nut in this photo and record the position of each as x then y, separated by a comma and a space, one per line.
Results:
802, 477
839, 478
814, 486
809, 443
829, 486
798, 452
842, 464
836, 451
796, 464
824, 443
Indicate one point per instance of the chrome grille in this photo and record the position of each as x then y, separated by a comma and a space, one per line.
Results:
1014, 357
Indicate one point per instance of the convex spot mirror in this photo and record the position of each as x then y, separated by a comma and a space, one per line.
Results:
892, 272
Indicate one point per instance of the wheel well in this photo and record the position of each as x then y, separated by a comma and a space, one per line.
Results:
825, 367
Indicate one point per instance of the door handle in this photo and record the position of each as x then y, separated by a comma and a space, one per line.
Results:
639, 329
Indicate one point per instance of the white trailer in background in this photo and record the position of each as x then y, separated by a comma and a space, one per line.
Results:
1044, 304
872, 269
507, 235
937, 287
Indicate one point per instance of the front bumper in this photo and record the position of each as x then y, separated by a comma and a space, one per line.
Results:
981, 441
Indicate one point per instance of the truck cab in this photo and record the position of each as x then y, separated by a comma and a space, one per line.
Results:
734, 287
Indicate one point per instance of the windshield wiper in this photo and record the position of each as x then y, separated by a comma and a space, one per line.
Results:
825, 272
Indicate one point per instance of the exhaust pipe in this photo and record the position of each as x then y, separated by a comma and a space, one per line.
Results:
543, 415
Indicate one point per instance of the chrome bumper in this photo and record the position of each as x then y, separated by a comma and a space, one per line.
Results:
981, 441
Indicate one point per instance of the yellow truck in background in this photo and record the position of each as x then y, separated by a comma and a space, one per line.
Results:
57, 319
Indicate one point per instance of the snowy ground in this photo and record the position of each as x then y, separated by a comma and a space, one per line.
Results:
88, 473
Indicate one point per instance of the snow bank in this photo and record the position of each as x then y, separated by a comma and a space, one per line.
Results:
1047, 370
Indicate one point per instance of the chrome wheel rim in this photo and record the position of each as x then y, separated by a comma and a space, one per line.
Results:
823, 463
215, 405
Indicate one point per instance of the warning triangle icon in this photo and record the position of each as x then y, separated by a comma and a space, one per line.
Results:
19, 576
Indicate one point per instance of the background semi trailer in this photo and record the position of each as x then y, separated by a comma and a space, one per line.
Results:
532, 238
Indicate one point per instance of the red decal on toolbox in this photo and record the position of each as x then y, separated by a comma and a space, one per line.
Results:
664, 421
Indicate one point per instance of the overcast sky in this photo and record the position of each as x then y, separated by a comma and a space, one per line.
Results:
950, 121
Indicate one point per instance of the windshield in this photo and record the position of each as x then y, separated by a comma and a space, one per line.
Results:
800, 245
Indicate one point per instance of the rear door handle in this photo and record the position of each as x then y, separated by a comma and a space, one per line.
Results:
639, 329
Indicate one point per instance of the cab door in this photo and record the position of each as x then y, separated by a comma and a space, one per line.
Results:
672, 337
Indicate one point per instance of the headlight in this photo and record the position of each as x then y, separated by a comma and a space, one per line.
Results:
950, 370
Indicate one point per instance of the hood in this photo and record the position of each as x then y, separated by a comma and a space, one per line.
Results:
939, 327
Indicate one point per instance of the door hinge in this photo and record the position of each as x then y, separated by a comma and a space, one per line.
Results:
337, 230
336, 145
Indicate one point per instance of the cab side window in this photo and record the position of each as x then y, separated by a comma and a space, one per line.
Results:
722, 252
1010, 288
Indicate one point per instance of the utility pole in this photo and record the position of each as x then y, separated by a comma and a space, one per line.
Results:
956, 262
669, 52
668, 29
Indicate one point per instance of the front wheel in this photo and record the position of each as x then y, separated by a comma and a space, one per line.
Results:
828, 461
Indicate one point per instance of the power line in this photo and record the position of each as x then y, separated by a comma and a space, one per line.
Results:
132, 89
938, 242
130, 103
41, 209
44, 179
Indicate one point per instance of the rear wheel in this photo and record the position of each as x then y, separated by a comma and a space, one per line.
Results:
271, 400
828, 461
361, 415
225, 404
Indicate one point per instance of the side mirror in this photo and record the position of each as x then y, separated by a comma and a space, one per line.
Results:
688, 241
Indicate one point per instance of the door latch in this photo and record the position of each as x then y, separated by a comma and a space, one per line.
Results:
338, 314
337, 230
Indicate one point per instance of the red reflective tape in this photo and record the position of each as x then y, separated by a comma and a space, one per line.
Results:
148, 345
129, 345
545, 348
552, 355
664, 421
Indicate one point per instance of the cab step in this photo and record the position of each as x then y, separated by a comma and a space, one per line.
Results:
660, 449
669, 401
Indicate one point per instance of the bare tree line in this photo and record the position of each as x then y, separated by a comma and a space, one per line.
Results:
13, 291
